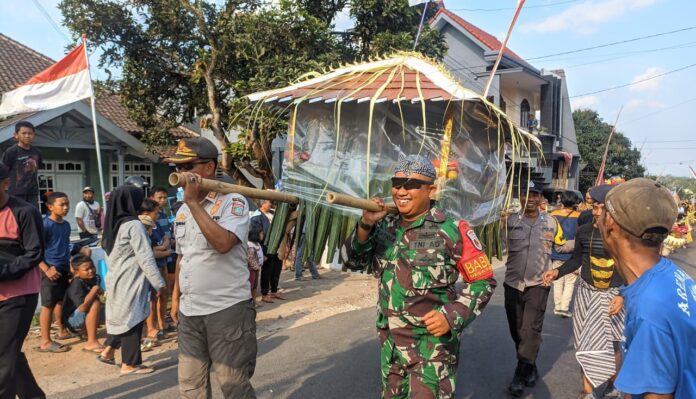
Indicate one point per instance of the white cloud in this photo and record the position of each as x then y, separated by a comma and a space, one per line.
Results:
342, 20
648, 84
586, 17
584, 102
639, 104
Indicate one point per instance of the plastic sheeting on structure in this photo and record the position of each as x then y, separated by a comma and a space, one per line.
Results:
337, 148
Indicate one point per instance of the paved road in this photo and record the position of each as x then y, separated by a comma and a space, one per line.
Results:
337, 358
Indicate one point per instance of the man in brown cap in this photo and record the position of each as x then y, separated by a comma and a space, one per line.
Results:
660, 299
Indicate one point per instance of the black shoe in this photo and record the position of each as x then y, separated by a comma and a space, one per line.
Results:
516, 388
532, 378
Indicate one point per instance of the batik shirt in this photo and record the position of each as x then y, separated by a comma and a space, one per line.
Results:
417, 267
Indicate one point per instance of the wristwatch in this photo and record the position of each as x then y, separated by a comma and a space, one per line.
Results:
365, 226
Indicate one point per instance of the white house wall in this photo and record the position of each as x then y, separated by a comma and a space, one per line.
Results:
464, 59
513, 97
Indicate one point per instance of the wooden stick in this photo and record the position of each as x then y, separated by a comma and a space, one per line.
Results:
177, 180
355, 202
520, 3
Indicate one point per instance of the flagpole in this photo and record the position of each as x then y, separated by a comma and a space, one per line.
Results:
502, 48
420, 27
94, 126
600, 173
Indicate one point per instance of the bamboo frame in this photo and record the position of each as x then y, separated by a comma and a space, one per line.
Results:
178, 180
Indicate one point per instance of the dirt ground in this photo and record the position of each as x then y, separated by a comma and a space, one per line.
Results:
306, 302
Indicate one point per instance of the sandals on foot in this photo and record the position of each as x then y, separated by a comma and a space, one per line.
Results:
139, 369
97, 349
54, 347
64, 337
148, 344
105, 360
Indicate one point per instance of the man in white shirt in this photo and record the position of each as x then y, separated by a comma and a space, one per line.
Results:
211, 299
88, 214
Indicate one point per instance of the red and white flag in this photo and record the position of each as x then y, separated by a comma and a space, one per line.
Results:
62, 83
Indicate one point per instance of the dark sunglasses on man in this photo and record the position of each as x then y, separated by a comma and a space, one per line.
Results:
408, 183
185, 167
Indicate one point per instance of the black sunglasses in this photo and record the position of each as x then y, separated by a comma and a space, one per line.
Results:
190, 165
408, 183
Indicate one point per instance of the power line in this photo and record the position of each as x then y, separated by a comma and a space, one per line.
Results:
51, 21
635, 39
611, 57
670, 162
479, 83
514, 8
634, 82
661, 110
615, 56
667, 141
671, 148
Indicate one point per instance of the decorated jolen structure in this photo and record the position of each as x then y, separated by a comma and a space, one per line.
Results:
348, 127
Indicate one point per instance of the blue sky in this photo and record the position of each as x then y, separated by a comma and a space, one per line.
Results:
654, 112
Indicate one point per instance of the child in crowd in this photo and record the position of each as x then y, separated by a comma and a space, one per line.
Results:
159, 195
81, 306
149, 212
23, 160
55, 271
256, 258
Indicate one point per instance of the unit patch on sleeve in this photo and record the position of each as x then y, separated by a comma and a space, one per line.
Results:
473, 264
474, 240
238, 207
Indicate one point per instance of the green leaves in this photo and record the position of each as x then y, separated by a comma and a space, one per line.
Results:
173, 60
592, 135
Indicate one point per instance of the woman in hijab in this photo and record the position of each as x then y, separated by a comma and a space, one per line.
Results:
132, 273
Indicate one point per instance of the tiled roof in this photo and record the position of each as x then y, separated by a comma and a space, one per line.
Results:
18, 63
484, 37
167, 152
109, 105
402, 77
360, 88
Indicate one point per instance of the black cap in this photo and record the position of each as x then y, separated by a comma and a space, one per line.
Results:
4, 171
532, 187
136, 181
193, 149
599, 193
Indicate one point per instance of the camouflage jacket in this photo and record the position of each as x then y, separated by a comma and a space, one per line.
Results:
416, 267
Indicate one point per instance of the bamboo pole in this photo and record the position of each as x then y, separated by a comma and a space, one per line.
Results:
177, 180
355, 202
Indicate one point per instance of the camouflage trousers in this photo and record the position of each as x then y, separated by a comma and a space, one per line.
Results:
417, 365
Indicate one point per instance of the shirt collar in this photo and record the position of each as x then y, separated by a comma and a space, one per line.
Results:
435, 215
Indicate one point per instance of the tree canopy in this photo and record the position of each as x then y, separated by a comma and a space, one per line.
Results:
592, 134
175, 60
684, 186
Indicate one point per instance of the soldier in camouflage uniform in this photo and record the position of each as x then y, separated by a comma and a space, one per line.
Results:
416, 256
